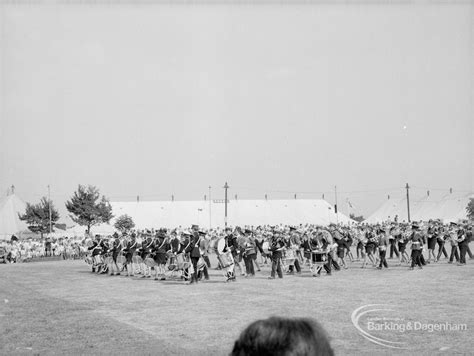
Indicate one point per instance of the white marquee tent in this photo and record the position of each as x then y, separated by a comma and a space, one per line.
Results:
447, 207
169, 214
10, 223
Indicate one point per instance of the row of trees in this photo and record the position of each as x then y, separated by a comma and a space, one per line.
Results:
86, 207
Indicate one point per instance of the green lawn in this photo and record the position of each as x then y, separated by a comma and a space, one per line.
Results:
59, 307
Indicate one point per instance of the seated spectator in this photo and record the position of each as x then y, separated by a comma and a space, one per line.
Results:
278, 336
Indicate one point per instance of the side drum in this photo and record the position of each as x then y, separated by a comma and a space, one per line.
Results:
319, 257
226, 259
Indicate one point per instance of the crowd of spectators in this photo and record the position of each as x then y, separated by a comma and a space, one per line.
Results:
17, 251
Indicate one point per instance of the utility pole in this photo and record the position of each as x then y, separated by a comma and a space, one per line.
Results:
49, 207
198, 211
335, 205
226, 186
408, 202
210, 215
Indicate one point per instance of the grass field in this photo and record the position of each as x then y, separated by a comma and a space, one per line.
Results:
60, 307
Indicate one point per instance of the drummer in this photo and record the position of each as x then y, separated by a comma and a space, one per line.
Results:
104, 248
193, 250
144, 250
160, 247
293, 243
340, 246
224, 256
95, 251
130, 248
203, 245
115, 249
325, 242
250, 253
276, 248
234, 247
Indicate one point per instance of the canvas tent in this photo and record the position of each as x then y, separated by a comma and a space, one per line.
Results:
446, 207
170, 214
10, 223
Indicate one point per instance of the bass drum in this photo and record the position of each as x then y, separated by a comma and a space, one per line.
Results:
266, 247
220, 246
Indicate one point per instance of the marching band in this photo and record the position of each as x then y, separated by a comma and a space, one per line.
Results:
185, 253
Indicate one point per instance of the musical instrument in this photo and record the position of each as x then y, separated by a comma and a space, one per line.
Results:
182, 261
319, 257
220, 246
149, 261
226, 259
266, 247
98, 260
201, 264
288, 258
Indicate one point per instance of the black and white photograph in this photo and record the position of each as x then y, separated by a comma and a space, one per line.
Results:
236, 177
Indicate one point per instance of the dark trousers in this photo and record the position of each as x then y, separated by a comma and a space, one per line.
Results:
383, 260
296, 266
415, 258
249, 269
441, 250
393, 248
298, 255
194, 261
276, 265
454, 254
469, 251
207, 260
334, 263
327, 266
422, 258
462, 252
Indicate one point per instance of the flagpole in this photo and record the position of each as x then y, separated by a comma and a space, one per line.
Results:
49, 207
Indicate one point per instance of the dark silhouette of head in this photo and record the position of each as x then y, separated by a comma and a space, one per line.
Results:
278, 336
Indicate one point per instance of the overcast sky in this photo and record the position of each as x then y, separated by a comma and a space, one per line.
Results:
154, 100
